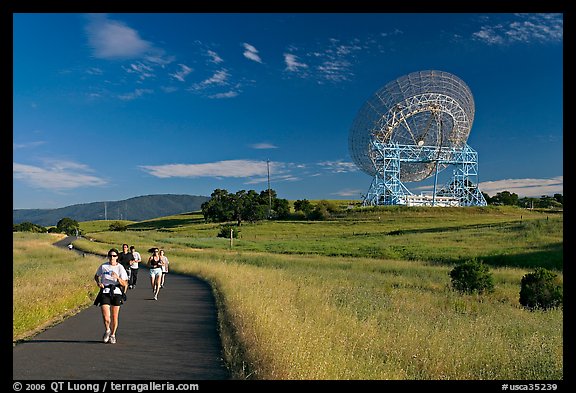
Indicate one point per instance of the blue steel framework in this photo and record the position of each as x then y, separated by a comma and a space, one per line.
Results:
387, 188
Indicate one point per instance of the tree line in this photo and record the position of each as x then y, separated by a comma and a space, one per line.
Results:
511, 199
251, 206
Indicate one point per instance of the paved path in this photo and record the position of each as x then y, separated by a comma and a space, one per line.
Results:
173, 338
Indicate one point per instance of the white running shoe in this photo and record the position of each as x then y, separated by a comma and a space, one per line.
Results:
112, 339
106, 336
155, 297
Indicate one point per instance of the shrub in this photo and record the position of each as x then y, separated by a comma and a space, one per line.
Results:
472, 276
117, 226
540, 289
225, 231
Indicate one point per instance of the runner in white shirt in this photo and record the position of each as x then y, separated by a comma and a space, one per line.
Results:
164, 268
112, 280
134, 267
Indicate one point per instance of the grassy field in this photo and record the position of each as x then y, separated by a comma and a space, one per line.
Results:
49, 283
366, 295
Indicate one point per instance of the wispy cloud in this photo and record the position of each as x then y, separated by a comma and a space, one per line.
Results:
339, 166
523, 28
228, 94
135, 94
182, 73
263, 145
250, 52
218, 78
332, 62
110, 39
94, 71
292, 63
355, 193
142, 70
253, 171
214, 58
58, 175
28, 145
229, 168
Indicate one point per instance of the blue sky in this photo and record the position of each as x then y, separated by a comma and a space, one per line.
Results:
112, 106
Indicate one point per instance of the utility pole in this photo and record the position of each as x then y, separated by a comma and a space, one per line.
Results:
105, 212
269, 192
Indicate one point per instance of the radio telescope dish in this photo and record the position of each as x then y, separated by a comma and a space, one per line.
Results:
425, 108
409, 130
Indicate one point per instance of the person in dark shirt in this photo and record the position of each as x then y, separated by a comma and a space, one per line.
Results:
125, 258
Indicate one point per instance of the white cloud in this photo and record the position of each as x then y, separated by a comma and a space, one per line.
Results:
228, 94
111, 39
349, 193
219, 78
94, 71
184, 71
27, 145
142, 70
251, 53
524, 28
292, 63
59, 175
521, 187
331, 63
135, 94
214, 58
525, 187
263, 145
339, 166
229, 168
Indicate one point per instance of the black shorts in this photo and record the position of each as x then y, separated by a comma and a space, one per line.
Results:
113, 300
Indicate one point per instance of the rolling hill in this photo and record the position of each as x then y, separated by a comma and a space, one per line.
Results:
133, 209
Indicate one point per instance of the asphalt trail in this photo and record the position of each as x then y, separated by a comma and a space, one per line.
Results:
173, 338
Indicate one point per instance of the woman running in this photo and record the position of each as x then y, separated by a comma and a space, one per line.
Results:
112, 280
155, 264
164, 267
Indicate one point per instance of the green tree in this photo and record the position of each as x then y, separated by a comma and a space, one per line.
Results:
505, 198
559, 198
68, 226
242, 206
219, 207
28, 227
281, 208
487, 198
304, 206
547, 202
528, 202
247, 206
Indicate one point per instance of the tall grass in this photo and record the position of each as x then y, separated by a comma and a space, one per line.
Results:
48, 284
337, 318
367, 295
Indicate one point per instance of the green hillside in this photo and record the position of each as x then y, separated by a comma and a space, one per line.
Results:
134, 209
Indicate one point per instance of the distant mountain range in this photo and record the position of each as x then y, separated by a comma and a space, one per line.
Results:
133, 209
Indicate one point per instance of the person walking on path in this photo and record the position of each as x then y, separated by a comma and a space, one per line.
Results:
155, 264
112, 280
125, 258
134, 267
165, 269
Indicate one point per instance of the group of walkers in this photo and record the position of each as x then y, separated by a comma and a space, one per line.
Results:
120, 273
